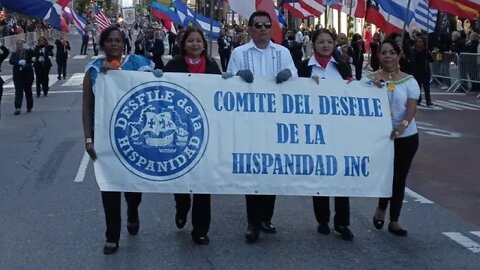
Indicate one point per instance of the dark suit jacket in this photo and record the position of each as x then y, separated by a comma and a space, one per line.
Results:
177, 64
27, 55
3, 56
157, 49
61, 52
37, 53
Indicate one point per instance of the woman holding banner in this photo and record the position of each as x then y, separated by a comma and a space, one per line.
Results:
193, 59
112, 43
327, 63
403, 92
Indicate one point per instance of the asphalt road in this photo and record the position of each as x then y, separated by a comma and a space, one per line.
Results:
49, 221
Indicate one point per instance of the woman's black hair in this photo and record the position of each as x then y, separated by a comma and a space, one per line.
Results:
187, 33
259, 13
106, 32
393, 43
343, 66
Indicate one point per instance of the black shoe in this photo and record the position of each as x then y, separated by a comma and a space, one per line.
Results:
252, 234
200, 239
345, 233
38, 95
110, 250
268, 227
17, 112
378, 223
133, 227
180, 221
430, 104
58, 77
64, 77
323, 228
29, 110
398, 232
45, 94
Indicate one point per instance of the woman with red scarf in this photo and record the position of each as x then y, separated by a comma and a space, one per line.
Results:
193, 59
327, 63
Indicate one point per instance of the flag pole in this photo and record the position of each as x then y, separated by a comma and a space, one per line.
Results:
211, 29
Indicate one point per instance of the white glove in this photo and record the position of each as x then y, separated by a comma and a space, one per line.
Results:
22, 62
25, 46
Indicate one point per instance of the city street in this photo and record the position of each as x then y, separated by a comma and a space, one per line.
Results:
52, 214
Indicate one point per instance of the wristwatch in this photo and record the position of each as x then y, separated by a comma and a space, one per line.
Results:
405, 123
88, 140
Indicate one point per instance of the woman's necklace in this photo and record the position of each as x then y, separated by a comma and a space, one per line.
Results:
391, 75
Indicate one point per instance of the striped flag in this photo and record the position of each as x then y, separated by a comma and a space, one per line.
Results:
425, 18
294, 8
78, 21
314, 7
102, 20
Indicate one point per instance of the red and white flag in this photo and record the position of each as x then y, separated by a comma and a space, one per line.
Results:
314, 7
354, 8
102, 20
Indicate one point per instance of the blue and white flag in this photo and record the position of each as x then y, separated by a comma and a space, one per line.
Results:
78, 21
209, 26
281, 17
398, 9
425, 17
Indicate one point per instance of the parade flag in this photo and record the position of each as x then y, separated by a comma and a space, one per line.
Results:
269, 7
293, 7
468, 9
281, 17
163, 12
400, 9
209, 26
425, 17
382, 19
102, 20
51, 10
78, 21
354, 8
314, 7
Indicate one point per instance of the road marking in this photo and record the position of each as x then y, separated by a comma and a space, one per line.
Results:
80, 56
49, 92
82, 169
446, 94
429, 129
75, 80
477, 233
465, 103
418, 198
6, 78
51, 80
454, 106
464, 241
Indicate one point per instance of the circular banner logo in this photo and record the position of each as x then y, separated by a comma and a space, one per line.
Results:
159, 131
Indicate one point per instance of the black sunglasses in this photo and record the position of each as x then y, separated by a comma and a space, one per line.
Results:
259, 25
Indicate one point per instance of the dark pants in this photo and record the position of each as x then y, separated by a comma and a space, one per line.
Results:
425, 85
112, 207
260, 209
1, 88
201, 214
62, 66
23, 84
224, 59
41, 74
321, 208
83, 48
405, 149
170, 45
358, 71
127, 48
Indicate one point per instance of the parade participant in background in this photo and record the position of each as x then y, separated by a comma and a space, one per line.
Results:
5, 52
153, 48
293, 46
343, 48
111, 42
172, 38
260, 57
326, 63
63, 46
139, 44
193, 58
403, 92
42, 65
358, 49
224, 48
85, 37
374, 50
176, 47
421, 70
21, 60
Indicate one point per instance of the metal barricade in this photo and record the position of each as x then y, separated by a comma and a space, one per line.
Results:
469, 75
445, 70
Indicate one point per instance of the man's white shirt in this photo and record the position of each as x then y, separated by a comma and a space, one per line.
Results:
262, 62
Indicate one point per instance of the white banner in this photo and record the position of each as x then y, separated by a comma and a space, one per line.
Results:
195, 133
128, 15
